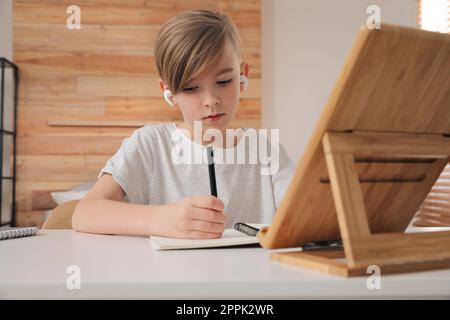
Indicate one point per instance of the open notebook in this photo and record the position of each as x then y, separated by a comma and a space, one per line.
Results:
230, 237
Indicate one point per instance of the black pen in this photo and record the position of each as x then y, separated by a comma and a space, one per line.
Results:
212, 173
246, 229
325, 244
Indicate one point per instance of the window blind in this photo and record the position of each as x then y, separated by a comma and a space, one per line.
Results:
434, 15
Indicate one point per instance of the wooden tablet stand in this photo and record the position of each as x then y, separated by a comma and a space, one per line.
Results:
392, 252
380, 144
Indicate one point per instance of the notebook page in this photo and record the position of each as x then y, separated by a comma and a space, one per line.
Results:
230, 237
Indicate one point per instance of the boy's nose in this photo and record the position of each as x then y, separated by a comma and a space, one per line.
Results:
211, 100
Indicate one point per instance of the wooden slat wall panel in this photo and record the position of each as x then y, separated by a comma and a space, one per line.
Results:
103, 72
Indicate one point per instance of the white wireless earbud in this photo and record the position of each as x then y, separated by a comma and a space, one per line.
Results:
243, 79
167, 96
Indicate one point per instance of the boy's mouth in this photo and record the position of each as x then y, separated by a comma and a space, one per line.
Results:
214, 117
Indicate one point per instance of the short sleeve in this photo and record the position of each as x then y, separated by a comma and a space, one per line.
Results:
131, 167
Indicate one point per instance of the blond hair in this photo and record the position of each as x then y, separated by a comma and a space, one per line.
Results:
191, 42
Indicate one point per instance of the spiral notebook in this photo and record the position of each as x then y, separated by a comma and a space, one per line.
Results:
17, 232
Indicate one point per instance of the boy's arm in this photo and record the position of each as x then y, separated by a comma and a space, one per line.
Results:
101, 211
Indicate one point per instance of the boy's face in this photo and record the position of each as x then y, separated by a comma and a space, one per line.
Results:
214, 98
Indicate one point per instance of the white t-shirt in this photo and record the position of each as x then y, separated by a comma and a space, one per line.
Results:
148, 171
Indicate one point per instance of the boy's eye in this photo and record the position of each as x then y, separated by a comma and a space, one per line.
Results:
189, 89
222, 83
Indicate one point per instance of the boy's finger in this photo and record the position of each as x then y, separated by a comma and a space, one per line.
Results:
209, 215
209, 202
205, 226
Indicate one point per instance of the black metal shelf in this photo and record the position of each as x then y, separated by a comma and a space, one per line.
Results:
8, 132
6, 64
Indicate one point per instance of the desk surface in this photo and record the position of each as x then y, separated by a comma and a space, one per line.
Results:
114, 267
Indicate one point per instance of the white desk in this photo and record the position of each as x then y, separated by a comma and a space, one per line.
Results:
127, 267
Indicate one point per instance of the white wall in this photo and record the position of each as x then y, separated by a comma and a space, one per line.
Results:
6, 29
304, 45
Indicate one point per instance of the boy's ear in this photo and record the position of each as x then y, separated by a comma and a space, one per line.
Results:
245, 68
244, 71
161, 84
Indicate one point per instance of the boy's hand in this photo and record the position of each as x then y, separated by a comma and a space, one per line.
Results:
199, 217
